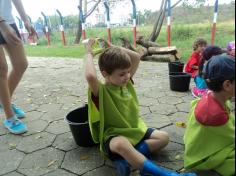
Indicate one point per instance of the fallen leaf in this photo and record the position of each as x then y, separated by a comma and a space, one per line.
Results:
85, 157
12, 146
182, 170
51, 163
178, 157
181, 124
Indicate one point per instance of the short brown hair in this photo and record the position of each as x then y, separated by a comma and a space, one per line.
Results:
199, 42
113, 58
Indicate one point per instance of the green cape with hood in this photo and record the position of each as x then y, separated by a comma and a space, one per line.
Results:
210, 147
118, 115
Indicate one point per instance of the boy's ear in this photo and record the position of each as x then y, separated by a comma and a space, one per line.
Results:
227, 85
104, 74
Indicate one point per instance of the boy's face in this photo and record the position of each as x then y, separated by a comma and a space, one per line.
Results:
119, 77
232, 52
201, 48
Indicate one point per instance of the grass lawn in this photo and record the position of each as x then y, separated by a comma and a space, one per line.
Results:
183, 37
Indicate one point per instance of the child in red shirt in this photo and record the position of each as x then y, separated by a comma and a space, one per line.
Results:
192, 65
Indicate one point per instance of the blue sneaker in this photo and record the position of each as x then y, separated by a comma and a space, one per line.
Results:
123, 168
20, 114
15, 126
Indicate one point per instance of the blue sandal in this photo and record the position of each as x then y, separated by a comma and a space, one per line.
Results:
20, 114
15, 126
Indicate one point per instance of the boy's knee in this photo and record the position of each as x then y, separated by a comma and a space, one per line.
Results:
119, 144
3, 71
165, 139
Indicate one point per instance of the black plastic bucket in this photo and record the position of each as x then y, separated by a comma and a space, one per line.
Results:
179, 81
79, 125
175, 67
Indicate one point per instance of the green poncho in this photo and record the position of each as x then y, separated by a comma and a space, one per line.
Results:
210, 147
118, 115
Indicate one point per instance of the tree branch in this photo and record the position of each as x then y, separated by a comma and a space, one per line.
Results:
92, 9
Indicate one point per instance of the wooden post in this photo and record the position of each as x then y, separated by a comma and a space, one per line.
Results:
46, 29
134, 23
62, 28
214, 22
169, 24
108, 21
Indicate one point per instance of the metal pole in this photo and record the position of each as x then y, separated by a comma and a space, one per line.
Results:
169, 24
134, 22
62, 28
214, 22
46, 29
108, 21
83, 22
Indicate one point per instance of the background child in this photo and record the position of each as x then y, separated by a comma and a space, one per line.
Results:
231, 49
201, 87
11, 42
192, 65
210, 135
114, 116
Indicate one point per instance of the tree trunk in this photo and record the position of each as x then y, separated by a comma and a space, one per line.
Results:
151, 38
146, 43
79, 28
78, 33
160, 58
160, 19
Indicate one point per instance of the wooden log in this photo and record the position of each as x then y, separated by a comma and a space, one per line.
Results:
146, 43
160, 58
162, 50
126, 43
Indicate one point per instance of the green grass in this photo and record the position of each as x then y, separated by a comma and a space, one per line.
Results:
56, 51
183, 37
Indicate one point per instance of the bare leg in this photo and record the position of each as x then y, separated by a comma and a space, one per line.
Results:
158, 140
5, 96
19, 65
123, 147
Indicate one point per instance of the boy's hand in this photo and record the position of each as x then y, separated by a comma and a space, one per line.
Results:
88, 45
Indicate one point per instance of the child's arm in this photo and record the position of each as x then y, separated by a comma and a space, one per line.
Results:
90, 71
135, 60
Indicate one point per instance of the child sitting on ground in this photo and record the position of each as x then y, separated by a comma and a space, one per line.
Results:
210, 135
201, 87
114, 116
192, 65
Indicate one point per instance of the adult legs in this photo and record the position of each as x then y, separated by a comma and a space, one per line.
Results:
9, 84
5, 95
19, 65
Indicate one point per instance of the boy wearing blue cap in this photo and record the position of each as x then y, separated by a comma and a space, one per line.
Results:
210, 135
